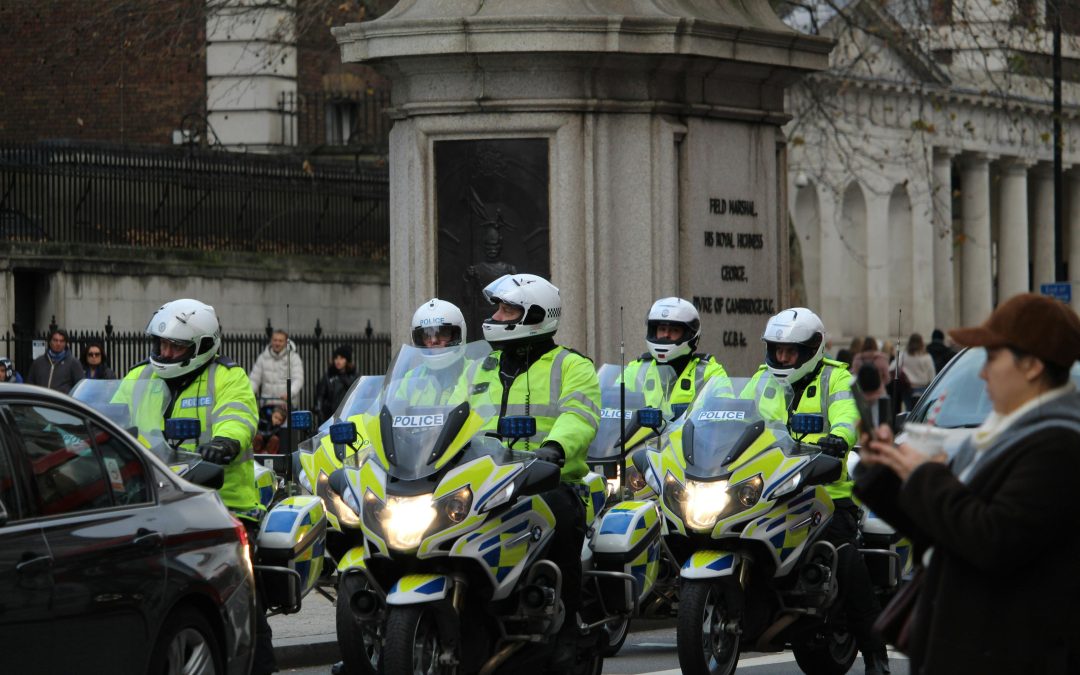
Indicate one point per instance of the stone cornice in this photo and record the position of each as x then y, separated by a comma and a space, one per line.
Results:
393, 38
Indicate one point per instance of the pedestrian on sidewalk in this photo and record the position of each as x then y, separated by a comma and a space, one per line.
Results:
56, 369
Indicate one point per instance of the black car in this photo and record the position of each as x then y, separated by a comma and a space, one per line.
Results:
109, 562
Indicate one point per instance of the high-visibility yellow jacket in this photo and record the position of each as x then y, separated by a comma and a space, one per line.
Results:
561, 390
829, 394
643, 375
222, 400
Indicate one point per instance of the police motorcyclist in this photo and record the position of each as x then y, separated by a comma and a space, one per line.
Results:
673, 330
184, 340
794, 350
531, 375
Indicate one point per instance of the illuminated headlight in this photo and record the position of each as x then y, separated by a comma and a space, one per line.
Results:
406, 519
344, 507
613, 484
705, 502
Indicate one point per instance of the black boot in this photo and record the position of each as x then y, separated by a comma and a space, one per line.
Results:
338, 668
877, 662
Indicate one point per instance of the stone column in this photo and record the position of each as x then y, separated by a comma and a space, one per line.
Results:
975, 291
665, 166
1013, 236
1042, 183
941, 201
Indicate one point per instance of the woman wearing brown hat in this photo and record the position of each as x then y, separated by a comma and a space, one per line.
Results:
995, 525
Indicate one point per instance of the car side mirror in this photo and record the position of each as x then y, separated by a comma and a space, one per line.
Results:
207, 475
650, 418
182, 429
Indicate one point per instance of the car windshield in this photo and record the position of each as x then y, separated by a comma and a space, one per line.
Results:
957, 397
605, 444
720, 424
425, 409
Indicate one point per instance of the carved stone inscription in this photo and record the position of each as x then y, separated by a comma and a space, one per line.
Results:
492, 217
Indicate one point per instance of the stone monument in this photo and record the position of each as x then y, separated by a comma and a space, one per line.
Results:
629, 149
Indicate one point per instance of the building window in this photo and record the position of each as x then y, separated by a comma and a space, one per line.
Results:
341, 117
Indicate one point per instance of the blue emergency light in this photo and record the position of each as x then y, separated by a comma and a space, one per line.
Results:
301, 420
182, 428
517, 426
650, 418
806, 423
677, 410
343, 433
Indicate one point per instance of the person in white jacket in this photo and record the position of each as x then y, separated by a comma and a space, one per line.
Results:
272, 368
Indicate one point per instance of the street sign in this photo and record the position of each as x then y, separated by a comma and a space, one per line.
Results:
1061, 291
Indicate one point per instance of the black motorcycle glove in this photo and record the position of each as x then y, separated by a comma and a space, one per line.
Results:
220, 450
833, 445
551, 452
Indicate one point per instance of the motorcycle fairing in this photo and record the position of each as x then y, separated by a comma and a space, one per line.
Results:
630, 534
415, 589
264, 481
505, 545
787, 528
710, 565
354, 559
593, 492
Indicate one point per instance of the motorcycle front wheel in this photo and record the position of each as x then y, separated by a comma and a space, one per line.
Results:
360, 643
705, 645
413, 642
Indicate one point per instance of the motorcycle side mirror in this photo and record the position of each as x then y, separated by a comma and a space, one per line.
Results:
182, 429
301, 420
678, 409
207, 475
650, 418
343, 433
804, 424
516, 427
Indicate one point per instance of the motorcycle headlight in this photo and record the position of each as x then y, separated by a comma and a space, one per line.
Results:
404, 520
705, 502
747, 493
634, 479
456, 506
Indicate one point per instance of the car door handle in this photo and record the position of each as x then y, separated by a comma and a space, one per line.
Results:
41, 563
148, 538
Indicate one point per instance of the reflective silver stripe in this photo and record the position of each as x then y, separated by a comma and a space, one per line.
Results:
211, 416
581, 398
642, 374
240, 407
699, 376
550, 411
844, 425
841, 396
826, 375
556, 375
236, 418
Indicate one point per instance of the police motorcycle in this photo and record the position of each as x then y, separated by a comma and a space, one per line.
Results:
608, 457
289, 547
744, 504
317, 460
451, 577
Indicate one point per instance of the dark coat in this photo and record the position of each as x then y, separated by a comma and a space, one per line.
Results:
331, 390
60, 376
1002, 587
941, 353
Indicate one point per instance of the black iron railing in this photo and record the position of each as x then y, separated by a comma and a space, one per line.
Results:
189, 198
371, 353
353, 121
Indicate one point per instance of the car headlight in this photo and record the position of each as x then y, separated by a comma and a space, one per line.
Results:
705, 502
404, 520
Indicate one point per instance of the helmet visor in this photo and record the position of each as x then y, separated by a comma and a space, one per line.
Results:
779, 354
446, 335
164, 350
668, 332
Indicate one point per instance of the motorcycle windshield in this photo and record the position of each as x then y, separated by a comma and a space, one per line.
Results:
136, 405
425, 413
724, 421
358, 400
607, 444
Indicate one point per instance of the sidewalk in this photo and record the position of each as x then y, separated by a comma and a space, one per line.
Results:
309, 637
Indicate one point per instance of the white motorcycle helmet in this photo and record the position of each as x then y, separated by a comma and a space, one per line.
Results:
186, 322
679, 312
802, 328
439, 317
537, 297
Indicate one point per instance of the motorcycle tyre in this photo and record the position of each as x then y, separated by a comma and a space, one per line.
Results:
696, 600
350, 638
616, 634
408, 627
820, 657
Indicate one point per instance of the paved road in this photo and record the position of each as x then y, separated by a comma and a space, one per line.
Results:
653, 653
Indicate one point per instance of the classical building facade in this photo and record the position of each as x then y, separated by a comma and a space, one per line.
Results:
921, 182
